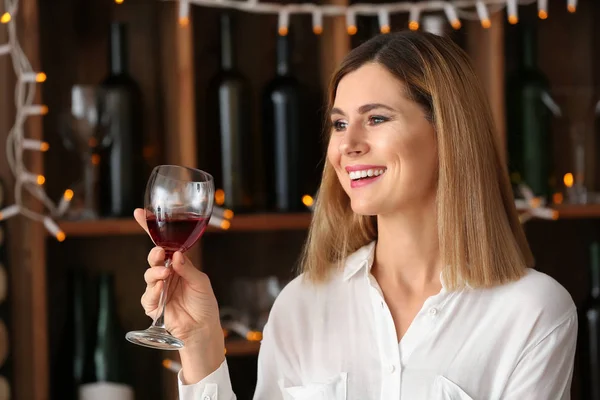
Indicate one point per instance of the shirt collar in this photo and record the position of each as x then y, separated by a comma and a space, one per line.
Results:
362, 259
359, 260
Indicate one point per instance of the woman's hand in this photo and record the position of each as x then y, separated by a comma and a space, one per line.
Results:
191, 313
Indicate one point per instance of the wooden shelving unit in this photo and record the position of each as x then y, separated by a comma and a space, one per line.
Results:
241, 347
240, 223
578, 211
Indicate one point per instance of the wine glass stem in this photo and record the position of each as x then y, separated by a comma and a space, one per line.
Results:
159, 322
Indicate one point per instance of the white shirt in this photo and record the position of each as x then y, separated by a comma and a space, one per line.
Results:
337, 341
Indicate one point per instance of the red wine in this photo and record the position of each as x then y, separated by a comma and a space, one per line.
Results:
176, 233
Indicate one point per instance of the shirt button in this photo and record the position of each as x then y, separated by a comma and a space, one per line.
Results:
433, 311
206, 398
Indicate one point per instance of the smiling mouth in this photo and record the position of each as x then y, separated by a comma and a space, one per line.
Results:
366, 174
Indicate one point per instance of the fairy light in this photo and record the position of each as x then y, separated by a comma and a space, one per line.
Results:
35, 110
351, 22
219, 197
543, 9
413, 18
452, 16
307, 200
37, 145
317, 22
512, 11
119, 1
33, 77
65, 201
483, 14
54, 230
254, 336
384, 20
218, 221
184, 12
284, 20
8, 212
5, 18
572, 6
568, 180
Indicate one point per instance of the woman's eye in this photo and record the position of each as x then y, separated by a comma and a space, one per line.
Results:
377, 119
339, 125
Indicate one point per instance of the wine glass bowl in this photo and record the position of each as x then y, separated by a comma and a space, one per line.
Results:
178, 205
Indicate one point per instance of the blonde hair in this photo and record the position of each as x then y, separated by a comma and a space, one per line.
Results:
481, 239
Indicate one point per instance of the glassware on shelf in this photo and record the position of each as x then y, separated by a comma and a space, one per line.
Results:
85, 130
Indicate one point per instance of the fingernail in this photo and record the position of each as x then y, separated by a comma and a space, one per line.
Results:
181, 258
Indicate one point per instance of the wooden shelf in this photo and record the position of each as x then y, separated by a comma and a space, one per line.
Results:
244, 222
575, 211
241, 347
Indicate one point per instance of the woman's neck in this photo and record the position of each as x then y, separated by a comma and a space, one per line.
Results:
407, 252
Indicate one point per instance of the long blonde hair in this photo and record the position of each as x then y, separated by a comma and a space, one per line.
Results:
481, 239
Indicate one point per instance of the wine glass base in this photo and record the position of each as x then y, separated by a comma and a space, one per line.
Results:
155, 338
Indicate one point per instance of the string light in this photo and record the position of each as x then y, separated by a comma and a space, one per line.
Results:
413, 18
284, 20
38, 145
54, 229
35, 110
384, 20
452, 16
8, 212
184, 12
17, 142
572, 6
307, 200
512, 10
119, 1
317, 21
65, 201
543, 9
351, 22
483, 14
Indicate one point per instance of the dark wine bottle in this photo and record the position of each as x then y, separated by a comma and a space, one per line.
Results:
67, 373
589, 331
122, 169
282, 107
528, 119
229, 119
106, 375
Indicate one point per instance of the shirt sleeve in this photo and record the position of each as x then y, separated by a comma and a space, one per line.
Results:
268, 374
546, 370
216, 386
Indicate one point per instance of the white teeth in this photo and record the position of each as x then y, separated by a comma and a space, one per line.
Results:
354, 175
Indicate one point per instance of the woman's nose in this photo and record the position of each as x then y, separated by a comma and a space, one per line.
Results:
354, 143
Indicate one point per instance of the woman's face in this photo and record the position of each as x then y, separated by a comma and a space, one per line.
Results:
382, 147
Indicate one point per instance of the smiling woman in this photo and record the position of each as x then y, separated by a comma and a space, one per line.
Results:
415, 278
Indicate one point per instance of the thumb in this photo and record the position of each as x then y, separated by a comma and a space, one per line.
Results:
185, 269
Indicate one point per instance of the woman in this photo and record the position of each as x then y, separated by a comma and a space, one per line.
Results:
416, 279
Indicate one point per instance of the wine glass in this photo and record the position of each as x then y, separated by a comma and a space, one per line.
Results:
85, 130
178, 204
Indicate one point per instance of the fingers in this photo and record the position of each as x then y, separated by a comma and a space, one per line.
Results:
140, 216
186, 270
154, 275
151, 297
156, 257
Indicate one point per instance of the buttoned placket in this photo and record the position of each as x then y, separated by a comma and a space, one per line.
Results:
391, 368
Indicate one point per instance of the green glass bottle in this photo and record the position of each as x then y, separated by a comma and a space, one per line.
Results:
528, 119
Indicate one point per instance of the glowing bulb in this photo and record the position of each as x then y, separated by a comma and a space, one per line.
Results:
307, 200
184, 21
40, 77
220, 197
6, 17
68, 195
486, 23
225, 224
352, 29
254, 336
40, 180
44, 146
543, 14
282, 31
557, 198
119, 1
513, 19
572, 6
351, 22
228, 214
413, 25
284, 21
413, 19
317, 29
568, 180
317, 21
60, 236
